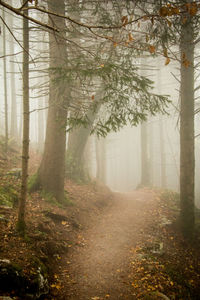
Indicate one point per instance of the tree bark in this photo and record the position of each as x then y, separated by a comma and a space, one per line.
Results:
101, 159
162, 155
5, 84
52, 169
144, 156
25, 146
13, 123
187, 159
76, 167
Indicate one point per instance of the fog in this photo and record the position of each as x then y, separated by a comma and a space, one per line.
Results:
120, 152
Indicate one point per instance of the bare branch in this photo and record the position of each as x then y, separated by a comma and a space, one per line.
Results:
18, 12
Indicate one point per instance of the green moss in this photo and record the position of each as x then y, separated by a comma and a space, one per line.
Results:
33, 183
49, 197
8, 195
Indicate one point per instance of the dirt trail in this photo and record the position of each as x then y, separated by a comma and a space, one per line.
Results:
99, 268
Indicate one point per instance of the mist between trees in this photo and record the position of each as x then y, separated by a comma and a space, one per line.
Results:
111, 88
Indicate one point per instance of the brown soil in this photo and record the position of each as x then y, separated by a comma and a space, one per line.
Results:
106, 246
101, 266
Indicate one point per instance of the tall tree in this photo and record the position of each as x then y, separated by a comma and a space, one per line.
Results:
25, 146
5, 84
187, 160
145, 172
162, 154
52, 169
13, 122
75, 165
101, 159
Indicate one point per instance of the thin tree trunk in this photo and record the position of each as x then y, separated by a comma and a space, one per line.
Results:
144, 156
162, 155
187, 160
151, 152
40, 126
13, 123
5, 84
25, 146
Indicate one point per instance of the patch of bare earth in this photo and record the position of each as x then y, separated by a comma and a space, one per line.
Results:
100, 267
130, 251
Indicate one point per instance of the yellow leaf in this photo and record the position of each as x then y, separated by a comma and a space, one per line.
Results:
152, 49
63, 222
57, 286
124, 20
175, 10
163, 11
102, 65
165, 52
193, 9
167, 61
130, 37
115, 44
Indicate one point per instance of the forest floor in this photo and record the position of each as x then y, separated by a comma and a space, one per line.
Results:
103, 245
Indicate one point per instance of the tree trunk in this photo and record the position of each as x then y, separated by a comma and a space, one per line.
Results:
13, 123
101, 159
25, 146
144, 156
162, 155
40, 126
151, 152
5, 84
76, 167
187, 160
52, 169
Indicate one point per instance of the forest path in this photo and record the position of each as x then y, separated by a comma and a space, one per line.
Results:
99, 267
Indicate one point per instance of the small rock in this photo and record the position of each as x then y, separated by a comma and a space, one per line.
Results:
5, 261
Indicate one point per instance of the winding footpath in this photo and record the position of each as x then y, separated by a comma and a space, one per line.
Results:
99, 268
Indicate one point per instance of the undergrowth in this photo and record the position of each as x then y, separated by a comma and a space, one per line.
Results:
49, 197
